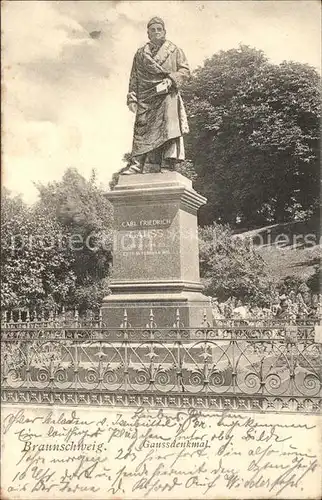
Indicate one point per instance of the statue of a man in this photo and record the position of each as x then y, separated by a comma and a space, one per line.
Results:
159, 69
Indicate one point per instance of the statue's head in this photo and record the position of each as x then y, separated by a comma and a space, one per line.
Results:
156, 30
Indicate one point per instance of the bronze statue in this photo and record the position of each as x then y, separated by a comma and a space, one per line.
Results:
158, 71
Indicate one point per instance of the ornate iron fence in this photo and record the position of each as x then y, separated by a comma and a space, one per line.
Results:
232, 365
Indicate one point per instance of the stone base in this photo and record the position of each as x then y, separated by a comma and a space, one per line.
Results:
155, 253
318, 334
193, 307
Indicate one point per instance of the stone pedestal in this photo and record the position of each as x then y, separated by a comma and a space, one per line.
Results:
155, 255
318, 334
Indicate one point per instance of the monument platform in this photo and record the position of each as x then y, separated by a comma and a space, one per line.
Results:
155, 252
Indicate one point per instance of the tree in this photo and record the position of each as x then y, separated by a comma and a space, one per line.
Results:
314, 282
254, 137
187, 169
85, 215
34, 271
57, 251
231, 267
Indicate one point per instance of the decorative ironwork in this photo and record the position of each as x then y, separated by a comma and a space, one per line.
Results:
71, 359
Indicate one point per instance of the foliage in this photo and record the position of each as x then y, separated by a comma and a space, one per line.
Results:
314, 282
231, 267
292, 284
58, 251
187, 169
254, 137
85, 215
33, 270
113, 182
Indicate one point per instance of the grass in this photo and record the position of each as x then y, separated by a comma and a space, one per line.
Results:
297, 256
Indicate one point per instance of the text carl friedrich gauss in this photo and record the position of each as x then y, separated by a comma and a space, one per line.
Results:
150, 453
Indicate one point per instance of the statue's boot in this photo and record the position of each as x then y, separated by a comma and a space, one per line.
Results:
132, 168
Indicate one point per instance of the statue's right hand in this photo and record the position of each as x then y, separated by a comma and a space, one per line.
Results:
133, 107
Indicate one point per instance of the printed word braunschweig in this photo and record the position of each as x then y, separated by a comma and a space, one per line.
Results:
72, 446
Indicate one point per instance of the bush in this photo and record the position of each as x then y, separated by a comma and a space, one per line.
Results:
231, 267
34, 271
58, 251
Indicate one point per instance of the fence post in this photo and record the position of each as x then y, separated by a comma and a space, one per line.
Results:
4, 318
28, 318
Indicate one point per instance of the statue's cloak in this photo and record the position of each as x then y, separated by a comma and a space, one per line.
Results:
159, 118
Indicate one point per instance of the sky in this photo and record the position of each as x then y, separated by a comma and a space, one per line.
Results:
66, 64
